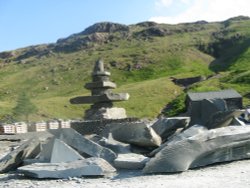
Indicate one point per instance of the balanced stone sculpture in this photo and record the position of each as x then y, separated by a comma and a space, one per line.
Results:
101, 97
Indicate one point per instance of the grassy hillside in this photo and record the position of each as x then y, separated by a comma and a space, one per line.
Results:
141, 59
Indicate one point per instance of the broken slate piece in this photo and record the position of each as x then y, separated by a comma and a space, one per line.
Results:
166, 127
130, 161
86, 167
137, 133
29, 149
109, 142
56, 151
208, 147
82, 144
190, 132
222, 118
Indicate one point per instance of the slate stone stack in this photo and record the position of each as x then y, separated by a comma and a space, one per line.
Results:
102, 96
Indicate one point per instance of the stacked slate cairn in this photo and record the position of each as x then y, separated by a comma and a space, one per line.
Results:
101, 97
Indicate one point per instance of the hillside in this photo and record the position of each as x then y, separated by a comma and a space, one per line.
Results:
142, 59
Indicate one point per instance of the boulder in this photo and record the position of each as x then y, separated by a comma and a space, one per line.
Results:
190, 132
83, 145
137, 133
86, 167
222, 118
166, 127
56, 151
130, 161
208, 147
29, 149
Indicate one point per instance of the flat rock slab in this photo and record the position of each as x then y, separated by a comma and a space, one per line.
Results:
165, 127
87, 167
208, 147
11, 161
137, 133
130, 161
82, 144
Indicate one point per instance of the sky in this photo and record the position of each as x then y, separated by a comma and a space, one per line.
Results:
31, 22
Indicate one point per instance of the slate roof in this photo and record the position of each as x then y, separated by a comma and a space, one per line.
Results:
223, 94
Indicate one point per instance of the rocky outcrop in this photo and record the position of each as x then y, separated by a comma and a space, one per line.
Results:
105, 27
154, 31
185, 82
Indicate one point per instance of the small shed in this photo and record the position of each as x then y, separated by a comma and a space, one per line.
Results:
233, 100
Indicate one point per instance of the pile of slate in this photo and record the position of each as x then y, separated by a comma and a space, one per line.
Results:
165, 145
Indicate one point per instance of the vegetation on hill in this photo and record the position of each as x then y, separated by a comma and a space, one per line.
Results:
142, 59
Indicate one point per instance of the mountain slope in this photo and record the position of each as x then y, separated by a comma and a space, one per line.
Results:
141, 59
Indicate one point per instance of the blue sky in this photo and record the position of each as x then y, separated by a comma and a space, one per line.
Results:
31, 22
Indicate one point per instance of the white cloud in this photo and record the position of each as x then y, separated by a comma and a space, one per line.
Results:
163, 3
209, 10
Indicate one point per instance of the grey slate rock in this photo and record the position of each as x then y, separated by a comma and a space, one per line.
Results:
237, 121
29, 149
190, 132
166, 127
83, 145
86, 167
130, 161
208, 147
137, 133
56, 151
222, 118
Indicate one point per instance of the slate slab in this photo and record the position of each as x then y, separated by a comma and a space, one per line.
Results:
208, 147
86, 167
29, 149
82, 144
130, 161
166, 127
137, 133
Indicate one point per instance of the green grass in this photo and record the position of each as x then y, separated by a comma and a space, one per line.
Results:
140, 66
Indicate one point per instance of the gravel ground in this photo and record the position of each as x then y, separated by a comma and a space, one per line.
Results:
230, 175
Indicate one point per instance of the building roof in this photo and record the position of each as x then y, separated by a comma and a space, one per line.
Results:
223, 94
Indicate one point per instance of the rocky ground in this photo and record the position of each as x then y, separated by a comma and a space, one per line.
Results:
234, 174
